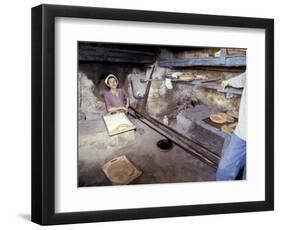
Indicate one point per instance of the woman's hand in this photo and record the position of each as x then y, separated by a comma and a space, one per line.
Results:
118, 109
125, 109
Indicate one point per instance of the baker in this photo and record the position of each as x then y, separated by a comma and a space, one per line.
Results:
116, 99
234, 158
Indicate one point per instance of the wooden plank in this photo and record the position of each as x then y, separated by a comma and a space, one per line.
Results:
115, 55
236, 51
141, 104
117, 123
229, 61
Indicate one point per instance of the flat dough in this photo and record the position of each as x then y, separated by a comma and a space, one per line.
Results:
233, 113
227, 129
227, 117
187, 77
221, 118
217, 118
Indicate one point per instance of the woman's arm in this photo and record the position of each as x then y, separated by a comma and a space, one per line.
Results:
127, 102
114, 109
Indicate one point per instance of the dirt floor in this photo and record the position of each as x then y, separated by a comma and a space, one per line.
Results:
96, 148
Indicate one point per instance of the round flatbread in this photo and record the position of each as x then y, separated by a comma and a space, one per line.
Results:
217, 118
227, 117
187, 77
227, 129
233, 113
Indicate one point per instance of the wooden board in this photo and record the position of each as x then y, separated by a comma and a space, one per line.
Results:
118, 123
120, 171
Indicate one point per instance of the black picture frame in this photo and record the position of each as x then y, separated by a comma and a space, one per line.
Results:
43, 114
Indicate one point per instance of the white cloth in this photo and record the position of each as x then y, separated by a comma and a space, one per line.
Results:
240, 82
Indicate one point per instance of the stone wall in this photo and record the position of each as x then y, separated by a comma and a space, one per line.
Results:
90, 107
163, 101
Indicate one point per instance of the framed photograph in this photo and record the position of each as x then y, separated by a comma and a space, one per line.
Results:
145, 114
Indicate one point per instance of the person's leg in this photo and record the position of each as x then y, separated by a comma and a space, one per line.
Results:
244, 173
233, 159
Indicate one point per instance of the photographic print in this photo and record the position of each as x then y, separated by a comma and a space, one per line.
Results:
130, 103
150, 114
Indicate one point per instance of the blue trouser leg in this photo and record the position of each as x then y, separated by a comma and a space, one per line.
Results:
244, 173
233, 159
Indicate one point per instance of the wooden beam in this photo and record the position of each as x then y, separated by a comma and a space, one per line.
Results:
97, 54
228, 61
141, 104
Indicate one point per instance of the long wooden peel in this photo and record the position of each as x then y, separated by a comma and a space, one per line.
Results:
180, 80
196, 149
